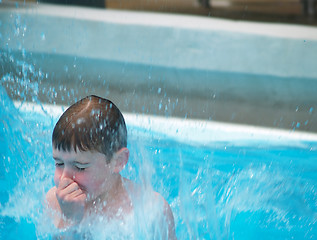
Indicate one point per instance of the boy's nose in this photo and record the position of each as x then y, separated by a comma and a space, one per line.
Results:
67, 173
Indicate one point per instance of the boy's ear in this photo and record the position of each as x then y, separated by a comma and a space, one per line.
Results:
121, 159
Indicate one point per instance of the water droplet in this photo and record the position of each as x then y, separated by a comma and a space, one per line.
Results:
311, 110
80, 120
23, 53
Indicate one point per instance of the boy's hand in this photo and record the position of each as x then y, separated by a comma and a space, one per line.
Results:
71, 199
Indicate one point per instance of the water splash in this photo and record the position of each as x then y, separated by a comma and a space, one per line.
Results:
242, 203
209, 200
25, 162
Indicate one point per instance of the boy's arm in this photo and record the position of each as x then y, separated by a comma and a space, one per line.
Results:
54, 209
66, 205
71, 201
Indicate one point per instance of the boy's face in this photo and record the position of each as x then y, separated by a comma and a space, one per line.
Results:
88, 169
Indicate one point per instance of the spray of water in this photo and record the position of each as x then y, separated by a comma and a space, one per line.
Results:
208, 201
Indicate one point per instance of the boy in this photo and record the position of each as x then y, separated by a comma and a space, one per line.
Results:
90, 149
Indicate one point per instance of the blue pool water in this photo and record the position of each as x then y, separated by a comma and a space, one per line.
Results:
216, 191
227, 188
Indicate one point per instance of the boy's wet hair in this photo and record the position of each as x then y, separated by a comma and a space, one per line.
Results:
91, 124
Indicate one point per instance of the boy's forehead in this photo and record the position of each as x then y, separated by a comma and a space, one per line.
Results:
61, 154
76, 156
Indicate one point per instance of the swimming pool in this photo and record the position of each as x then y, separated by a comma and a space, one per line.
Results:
232, 187
222, 181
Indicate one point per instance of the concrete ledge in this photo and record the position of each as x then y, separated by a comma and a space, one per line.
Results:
171, 65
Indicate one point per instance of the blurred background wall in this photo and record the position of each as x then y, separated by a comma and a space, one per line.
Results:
289, 11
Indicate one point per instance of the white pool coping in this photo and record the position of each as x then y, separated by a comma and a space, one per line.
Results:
197, 132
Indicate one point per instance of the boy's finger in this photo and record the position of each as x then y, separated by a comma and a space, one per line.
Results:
72, 187
76, 196
64, 183
81, 197
76, 193
62, 193
72, 196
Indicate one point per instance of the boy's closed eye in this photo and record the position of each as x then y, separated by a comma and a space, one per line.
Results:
59, 163
78, 166
81, 166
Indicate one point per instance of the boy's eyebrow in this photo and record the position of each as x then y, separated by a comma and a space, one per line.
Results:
75, 161
83, 163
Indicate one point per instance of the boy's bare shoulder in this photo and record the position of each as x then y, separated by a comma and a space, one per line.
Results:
166, 207
167, 212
